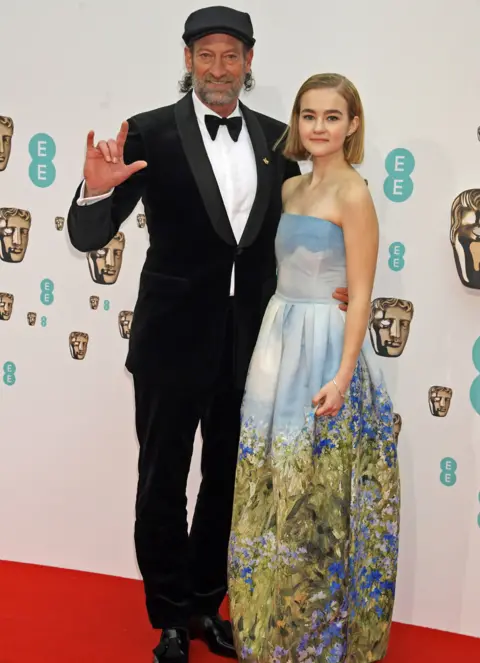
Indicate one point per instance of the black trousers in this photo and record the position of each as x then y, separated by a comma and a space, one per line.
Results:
185, 574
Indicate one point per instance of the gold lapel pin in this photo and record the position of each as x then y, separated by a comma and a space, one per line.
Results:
266, 161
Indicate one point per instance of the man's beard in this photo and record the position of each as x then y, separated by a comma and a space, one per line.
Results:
217, 97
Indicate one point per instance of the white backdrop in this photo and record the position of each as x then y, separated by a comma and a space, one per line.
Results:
67, 442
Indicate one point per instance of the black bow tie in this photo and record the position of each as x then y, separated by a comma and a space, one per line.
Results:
233, 124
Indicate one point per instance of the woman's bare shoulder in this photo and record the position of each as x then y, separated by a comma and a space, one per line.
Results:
290, 186
354, 191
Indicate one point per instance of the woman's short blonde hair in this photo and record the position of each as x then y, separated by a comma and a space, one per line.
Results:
354, 144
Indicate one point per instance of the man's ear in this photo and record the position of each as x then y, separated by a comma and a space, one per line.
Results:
188, 58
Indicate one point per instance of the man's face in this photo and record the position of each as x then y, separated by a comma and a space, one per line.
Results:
14, 232
32, 319
390, 330
6, 134
6, 305
439, 400
105, 264
218, 66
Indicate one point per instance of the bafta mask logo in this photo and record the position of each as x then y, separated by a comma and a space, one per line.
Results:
6, 305
32, 319
124, 323
105, 264
14, 230
397, 426
78, 345
94, 301
141, 220
439, 399
6, 135
59, 222
389, 325
465, 237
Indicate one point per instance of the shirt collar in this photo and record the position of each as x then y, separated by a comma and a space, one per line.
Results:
201, 110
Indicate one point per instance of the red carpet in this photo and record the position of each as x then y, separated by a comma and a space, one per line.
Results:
54, 616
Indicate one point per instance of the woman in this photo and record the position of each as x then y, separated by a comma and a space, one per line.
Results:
313, 554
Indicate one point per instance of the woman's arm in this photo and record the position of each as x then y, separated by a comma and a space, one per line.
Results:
360, 231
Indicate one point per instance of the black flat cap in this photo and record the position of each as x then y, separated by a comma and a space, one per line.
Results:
219, 20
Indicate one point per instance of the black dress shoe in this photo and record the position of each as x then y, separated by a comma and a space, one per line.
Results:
216, 632
173, 646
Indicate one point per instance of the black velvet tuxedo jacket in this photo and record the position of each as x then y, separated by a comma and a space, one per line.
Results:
178, 327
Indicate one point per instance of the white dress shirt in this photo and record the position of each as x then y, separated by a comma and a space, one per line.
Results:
233, 165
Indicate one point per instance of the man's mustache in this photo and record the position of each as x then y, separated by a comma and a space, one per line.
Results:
219, 80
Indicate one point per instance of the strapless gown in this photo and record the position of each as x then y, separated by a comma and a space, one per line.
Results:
314, 541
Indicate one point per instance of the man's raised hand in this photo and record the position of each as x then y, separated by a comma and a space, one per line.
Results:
104, 166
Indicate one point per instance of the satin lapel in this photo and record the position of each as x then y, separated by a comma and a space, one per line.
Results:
264, 177
201, 168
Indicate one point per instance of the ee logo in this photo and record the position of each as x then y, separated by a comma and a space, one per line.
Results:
42, 150
46, 292
448, 475
106, 305
478, 517
9, 370
396, 261
475, 386
399, 164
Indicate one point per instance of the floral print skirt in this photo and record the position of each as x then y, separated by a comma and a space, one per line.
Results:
314, 542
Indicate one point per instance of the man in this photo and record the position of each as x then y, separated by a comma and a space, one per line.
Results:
211, 189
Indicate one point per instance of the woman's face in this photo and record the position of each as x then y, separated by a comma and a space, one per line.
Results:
324, 122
